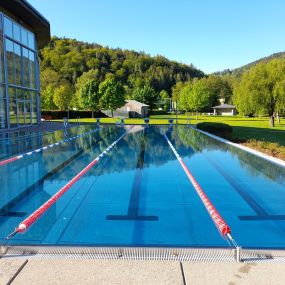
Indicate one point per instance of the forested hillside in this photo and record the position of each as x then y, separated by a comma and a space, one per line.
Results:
67, 65
238, 71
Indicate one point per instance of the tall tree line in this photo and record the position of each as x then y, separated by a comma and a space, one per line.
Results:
68, 65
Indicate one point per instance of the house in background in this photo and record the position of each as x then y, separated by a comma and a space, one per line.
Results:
23, 30
224, 109
131, 109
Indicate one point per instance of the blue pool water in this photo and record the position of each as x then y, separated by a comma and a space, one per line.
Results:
138, 195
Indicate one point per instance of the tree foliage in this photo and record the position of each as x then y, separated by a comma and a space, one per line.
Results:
112, 94
62, 97
90, 95
67, 61
146, 95
196, 96
261, 90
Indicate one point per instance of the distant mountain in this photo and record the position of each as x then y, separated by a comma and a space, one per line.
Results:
238, 71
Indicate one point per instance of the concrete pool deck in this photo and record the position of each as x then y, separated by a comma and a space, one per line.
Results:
91, 271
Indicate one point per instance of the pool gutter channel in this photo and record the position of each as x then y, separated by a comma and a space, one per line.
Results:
145, 253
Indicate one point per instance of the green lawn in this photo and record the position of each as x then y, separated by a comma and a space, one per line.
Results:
243, 128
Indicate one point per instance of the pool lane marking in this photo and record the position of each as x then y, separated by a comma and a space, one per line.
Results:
133, 209
9, 160
25, 224
261, 214
220, 223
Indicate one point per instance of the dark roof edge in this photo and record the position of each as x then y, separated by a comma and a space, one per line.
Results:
25, 2
24, 12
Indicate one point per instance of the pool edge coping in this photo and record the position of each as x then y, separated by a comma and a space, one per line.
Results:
267, 157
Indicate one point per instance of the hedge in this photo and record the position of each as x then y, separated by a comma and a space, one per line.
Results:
219, 129
58, 115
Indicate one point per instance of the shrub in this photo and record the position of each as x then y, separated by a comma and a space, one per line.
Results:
219, 129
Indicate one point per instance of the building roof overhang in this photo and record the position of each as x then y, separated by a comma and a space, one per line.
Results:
26, 13
224, 106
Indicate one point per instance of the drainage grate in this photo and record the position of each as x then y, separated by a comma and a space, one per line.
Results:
145, 253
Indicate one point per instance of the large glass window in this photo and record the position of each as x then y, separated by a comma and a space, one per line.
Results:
8, 27
34, 112
1, 28
18, 64
17, 47
1, 60
31, 38
16, 32
28, 116
26, 68
2, 92
21, 112
32, 70
24, 37
12, 107
10, 61
3, 121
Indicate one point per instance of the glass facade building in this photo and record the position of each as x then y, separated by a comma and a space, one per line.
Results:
22, 31
19, 75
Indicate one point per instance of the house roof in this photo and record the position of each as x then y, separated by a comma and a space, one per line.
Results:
25, 12
139, 104
224, 106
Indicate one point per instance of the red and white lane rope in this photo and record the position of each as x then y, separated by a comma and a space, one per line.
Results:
25, 224
9, 160
220, 223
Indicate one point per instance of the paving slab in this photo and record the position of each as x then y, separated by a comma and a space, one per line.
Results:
234, 273
8, 268
119, 272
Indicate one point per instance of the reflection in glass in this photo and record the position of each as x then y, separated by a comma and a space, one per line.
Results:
21, 113
18, 66
8, 27
16, 32
24, 36
1, 60
10, 61
27, 113
34, 112
31, 39
3, 113
16, 52
32, 69
26, 71
13, 107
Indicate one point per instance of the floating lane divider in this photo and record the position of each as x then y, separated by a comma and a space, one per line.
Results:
25, 224
9, 160
220, 223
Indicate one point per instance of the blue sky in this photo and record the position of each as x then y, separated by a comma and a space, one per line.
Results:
211, 34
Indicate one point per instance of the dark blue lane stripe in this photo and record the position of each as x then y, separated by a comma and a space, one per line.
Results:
133, 209
239, 188
261, 214
263, 218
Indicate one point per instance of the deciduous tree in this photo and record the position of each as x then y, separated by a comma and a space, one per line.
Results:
261, 90
90, 96
112, 94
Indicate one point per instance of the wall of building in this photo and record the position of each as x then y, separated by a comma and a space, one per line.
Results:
225, 112
19, 75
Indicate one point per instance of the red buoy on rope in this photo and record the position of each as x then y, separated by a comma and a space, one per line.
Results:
220, 223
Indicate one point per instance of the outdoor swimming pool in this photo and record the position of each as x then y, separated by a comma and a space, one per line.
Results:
138, 194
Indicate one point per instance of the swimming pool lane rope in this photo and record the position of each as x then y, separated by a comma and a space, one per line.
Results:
25, 224
9, 160
220, 223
